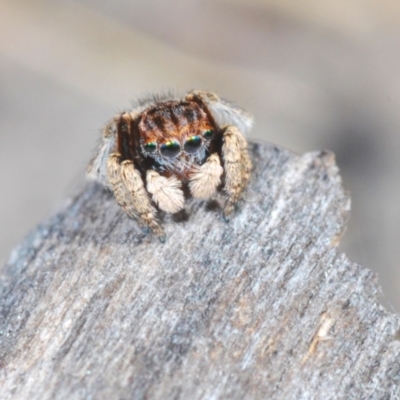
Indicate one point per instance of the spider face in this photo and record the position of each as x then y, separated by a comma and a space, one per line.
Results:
163, 148
175, 133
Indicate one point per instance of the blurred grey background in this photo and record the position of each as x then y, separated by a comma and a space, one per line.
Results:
317, 74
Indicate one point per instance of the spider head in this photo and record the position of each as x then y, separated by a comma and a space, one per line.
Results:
175, 130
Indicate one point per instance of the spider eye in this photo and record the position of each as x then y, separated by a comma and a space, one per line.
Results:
170, 149
150, 147
208, 133
192, 144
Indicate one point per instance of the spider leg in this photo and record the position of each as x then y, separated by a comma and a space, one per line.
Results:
167, 192
237, 166
130, 193
97, 168
224, 112
246, 166
204, 180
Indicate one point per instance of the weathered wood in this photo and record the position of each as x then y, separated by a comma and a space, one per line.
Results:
262, 306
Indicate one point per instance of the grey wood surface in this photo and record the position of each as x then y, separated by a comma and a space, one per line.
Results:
262, 306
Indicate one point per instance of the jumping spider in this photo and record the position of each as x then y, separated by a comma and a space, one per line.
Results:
168, 148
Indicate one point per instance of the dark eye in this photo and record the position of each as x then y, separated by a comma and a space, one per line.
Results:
170, 149
208, 133
150, 147
192, 144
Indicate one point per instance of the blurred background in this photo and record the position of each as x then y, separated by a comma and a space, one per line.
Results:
317, 74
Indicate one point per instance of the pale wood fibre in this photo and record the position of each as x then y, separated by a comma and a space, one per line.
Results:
263, 306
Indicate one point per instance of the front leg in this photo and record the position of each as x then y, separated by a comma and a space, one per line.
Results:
130, 193
237, 166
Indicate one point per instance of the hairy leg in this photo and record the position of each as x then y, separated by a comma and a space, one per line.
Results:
224, 112
97, 168
130, 193
246, 166
237, 166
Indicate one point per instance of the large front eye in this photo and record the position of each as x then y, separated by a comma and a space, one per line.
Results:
192, 144
170, 149
150, 147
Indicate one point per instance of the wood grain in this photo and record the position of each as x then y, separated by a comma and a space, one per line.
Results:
262, 306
